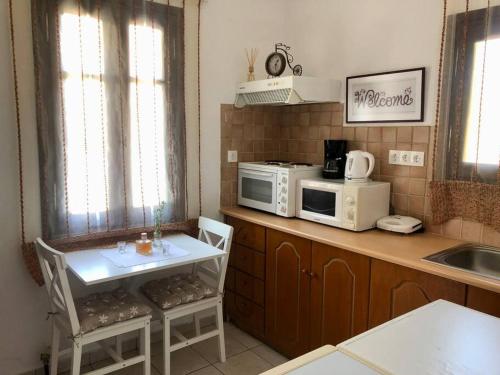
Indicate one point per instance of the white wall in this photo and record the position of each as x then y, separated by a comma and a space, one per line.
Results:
23, 304
368, 36
227, 28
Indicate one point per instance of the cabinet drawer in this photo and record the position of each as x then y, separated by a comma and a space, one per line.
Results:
249, 287
248, 316
248, 234
249, 261
230, 283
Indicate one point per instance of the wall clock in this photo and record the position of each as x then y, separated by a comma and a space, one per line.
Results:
277, 61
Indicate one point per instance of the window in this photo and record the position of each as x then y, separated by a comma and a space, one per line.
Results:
110, 90
488, 148
471, 145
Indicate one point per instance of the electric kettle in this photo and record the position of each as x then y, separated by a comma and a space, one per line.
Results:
359, 166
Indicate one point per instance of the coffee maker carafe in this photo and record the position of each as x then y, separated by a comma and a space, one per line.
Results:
335, 158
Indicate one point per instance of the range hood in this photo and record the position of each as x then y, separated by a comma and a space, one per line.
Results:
287, 90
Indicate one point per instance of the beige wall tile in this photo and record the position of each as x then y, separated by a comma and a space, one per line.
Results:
453, 228
374, 134
348, 134
400, 185
388, 135
361, 134
336, 132
490, 236
416, 204
471, 231
337, 118
417, 186
374, 148
421, 134
404, 134
324, 132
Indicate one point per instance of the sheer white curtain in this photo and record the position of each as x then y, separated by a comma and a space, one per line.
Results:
110, 95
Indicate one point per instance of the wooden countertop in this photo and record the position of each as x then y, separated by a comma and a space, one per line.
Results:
405, 250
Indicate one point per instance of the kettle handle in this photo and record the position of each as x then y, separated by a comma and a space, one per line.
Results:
371, 163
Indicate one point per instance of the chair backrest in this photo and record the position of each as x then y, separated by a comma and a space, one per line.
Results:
219, 235
54, 266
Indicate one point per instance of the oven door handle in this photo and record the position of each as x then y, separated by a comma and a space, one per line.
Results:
254, 173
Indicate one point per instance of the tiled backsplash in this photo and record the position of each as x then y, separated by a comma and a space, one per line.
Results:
297, 132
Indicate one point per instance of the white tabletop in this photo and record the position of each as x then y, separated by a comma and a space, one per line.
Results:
326, 360
439, 338
93, 268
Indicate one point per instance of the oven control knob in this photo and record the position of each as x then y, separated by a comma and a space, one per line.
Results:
350, 214
283, 200
283, 209
283, 190
349, 201
284, 179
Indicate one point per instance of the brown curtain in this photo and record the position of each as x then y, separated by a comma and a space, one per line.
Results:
466, 179
111, 115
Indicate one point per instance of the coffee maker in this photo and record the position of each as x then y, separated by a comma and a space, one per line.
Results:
335, 158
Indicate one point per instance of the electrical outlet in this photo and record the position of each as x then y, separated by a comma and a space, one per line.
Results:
232, 156
405, 157
417, 158
394, 157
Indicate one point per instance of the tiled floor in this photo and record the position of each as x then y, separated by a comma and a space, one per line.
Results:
245, 356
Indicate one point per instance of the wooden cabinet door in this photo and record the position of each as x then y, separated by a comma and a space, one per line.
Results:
483, 300
396, 290
340, 283
288, 264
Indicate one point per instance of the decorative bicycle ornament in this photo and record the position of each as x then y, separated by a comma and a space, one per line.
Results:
277, 61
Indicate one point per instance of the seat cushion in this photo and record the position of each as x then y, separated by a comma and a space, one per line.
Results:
176, 290
103, 309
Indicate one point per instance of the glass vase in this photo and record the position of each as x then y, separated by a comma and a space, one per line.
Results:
157, 240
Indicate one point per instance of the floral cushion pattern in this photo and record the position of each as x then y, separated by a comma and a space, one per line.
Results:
103, 309
176, 290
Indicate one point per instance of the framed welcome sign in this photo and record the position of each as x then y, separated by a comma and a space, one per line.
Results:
396, 96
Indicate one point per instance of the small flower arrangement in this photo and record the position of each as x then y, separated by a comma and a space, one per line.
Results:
158, 219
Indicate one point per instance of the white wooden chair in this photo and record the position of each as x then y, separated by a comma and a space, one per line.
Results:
217, 274
65, 320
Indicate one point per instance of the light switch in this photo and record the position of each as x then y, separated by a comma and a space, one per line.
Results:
232, 156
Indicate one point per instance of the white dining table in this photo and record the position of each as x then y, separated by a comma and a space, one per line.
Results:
91, 267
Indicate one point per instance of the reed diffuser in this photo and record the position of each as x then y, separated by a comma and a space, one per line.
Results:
251, 57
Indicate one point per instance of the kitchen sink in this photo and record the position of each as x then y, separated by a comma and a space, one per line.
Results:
478, 259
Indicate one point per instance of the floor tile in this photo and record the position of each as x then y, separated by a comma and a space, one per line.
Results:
134, 370
246, 363
270, 355
183, 361
209, 370
83, 369
209, 349
243, 337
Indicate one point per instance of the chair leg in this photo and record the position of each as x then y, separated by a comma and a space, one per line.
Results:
76, 358
118, 344
220, 327
145, 348
54, 349
196, 319
166, 345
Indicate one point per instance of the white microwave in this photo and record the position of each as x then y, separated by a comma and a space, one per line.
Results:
349, 205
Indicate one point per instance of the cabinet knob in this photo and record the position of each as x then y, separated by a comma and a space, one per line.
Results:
304, 271
312, 275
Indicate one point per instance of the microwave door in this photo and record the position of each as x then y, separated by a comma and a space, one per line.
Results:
257, 189
320, 204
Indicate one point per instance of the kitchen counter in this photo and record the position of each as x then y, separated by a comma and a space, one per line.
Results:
404, 250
